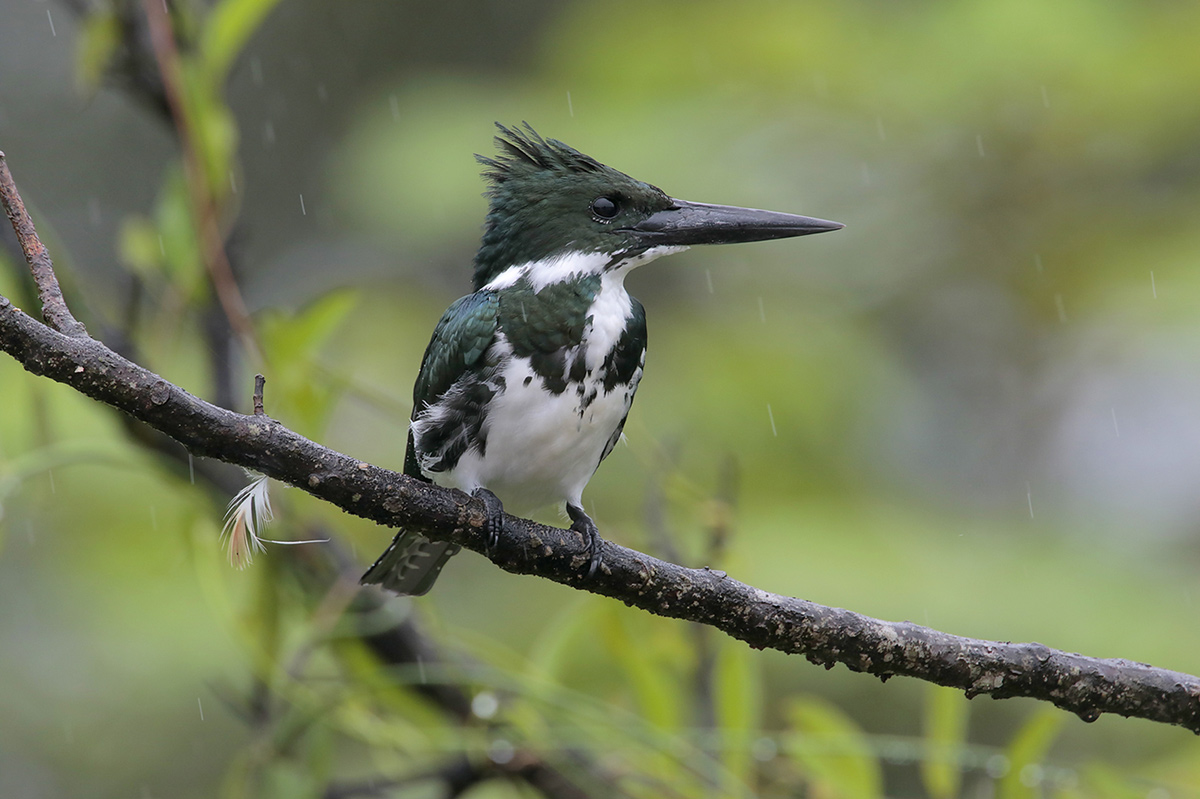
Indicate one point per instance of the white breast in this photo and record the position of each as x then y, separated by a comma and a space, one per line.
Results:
543, 448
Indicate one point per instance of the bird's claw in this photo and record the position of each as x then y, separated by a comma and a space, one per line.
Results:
493, 510
583, 524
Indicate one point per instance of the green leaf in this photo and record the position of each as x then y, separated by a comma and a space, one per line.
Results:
228, 27
1026, 752
659, 692
1101, 781
737, 689
283, 779
304, 332
214, 132
946, 712
299, 389
99, 36
574, 620
139, 247
176, 236
832, 751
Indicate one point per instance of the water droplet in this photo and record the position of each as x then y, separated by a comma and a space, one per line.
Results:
570, 108
52, 33
771, 417
1062, 309
485, 705
764, 749
302, 211
1031, 775
979, 144
501, 751
996, 766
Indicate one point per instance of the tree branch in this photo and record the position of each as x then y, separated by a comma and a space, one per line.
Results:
54, 307
1085, 686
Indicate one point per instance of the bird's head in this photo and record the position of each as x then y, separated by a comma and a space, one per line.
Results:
547, 200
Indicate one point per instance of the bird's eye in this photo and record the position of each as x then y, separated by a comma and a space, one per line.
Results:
604, 208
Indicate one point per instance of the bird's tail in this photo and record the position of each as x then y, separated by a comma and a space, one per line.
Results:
411, 565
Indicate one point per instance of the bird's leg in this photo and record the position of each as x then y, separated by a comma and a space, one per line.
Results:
583, 524
493, 510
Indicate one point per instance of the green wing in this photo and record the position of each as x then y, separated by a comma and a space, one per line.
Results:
412, 563
459, 342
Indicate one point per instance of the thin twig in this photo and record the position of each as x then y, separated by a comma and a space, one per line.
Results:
259, 383
54, 307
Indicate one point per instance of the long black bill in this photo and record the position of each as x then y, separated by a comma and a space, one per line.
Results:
700, 223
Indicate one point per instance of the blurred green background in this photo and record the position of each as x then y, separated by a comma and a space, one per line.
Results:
977, 407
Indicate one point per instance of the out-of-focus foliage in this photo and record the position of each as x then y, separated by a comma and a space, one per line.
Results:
1026, 752
945, 731
228, 28
832, 751
292, 343
977, 407
99, 37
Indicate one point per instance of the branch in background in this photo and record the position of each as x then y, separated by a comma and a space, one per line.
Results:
133, 68
397, 643
827, 636
212, 244
54, 307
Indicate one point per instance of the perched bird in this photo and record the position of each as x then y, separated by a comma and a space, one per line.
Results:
526, 383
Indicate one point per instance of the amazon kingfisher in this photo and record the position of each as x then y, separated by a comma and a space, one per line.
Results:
526, 383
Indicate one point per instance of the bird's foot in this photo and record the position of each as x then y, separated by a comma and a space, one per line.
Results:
493, 510
583, 524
